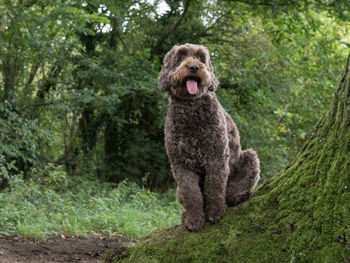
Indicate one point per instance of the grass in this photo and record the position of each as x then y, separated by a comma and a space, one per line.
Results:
78, 207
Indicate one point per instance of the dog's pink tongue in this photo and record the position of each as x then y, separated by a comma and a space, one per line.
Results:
191, 86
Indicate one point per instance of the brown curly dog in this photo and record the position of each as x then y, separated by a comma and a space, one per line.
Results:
202, 141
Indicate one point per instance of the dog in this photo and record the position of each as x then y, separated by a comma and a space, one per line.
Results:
202, 141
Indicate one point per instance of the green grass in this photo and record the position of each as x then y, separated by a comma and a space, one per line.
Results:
78, 207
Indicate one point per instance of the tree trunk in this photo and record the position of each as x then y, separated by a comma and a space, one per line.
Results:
9, 71
87, 130
302, 215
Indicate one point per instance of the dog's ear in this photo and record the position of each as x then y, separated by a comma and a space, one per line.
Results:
214, 82
163, 78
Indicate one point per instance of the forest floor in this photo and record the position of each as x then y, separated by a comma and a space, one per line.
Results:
59, 249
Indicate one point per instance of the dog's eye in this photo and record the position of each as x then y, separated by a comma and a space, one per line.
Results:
201, 59
181, 58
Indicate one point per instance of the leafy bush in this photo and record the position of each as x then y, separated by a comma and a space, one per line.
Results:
20, 139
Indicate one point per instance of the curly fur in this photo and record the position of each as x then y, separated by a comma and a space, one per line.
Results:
202, 141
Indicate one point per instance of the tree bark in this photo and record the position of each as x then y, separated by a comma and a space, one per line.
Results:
10, 71
302, 215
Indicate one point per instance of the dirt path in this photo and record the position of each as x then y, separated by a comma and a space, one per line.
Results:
19, 250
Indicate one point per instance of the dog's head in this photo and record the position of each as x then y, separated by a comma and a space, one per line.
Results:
187, 72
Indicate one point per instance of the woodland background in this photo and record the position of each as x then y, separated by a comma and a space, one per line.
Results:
81, 116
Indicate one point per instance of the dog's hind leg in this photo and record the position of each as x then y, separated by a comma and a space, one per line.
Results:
243, 178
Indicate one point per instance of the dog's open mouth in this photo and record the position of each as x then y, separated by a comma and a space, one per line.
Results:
192, 85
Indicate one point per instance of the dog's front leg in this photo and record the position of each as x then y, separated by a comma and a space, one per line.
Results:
190, 196
217, 172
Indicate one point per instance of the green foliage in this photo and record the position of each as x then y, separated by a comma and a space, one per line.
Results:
133, 126
20, 139
276, 86
57, 204
123, 114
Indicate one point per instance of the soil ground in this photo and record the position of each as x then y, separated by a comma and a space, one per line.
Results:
60, 249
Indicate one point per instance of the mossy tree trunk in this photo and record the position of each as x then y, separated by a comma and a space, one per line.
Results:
303, 215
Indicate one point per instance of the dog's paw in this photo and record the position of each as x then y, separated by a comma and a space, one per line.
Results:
193, 222
215, 212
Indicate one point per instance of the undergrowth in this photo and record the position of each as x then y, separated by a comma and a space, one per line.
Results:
72, 206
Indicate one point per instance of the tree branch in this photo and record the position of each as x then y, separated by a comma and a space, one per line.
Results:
32, 74
160, 42
219, 18
267, 3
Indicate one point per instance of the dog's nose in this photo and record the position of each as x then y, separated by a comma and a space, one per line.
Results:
193, 68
